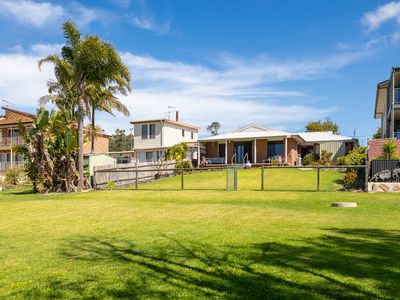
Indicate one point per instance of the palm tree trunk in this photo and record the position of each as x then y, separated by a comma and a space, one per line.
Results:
80, 142
93, 129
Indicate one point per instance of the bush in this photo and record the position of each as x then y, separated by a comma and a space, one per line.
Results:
354, 178
177, 152
111, 185
183, 164
325, 158
350, 178
341, 161
309, 159
389, 149
14, 175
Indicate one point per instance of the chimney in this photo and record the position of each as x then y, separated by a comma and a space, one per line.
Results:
177, 116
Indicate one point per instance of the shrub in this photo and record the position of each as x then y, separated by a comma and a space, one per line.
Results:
341, 161
183, 164
354, 178
14, 175
325, 158
389, 149
111, 185
309, 159
177, 152
357, 156
350, 178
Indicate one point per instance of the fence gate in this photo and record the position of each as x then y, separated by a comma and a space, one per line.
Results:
231, 179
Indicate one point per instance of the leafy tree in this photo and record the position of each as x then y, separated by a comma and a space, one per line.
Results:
120, 141
103, 99
378, 133
322, 126
90, 66
50, 153
177, 152
354, 177
213, 128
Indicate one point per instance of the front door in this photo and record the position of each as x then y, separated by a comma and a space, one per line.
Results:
243, 152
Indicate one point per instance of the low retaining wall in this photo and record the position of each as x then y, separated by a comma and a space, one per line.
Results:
384, 187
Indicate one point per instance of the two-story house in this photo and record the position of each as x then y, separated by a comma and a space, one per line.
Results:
387, 105
9, 137
153, 137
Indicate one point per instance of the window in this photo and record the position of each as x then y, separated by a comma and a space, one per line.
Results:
191, 135
148, 131
145, 132
275, 149
183, 132
149, 156
152, 130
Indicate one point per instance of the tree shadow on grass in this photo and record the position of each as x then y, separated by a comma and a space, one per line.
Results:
341, 264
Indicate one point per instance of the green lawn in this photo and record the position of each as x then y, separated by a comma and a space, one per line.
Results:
201, 243
250, 180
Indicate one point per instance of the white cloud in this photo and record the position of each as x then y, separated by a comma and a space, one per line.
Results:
30, 12
143, 17
236, 91
21, 82
46, 49
384, 13
39, 14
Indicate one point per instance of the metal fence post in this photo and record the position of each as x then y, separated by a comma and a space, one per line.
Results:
235, 184
262, 178
182, 186
366, 175
318, 179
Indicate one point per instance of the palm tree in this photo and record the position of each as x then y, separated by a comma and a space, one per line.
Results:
103, 99
88, 61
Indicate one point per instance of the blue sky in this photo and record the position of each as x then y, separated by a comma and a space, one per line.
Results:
275, 63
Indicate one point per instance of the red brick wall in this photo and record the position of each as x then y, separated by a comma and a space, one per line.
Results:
375, 147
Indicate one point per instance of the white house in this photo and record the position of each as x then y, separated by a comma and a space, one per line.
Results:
153, 137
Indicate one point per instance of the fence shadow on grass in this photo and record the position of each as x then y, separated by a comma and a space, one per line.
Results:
340, 264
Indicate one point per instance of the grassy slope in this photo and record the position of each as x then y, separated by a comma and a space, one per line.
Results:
200, 244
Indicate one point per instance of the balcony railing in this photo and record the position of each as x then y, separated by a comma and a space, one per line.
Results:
11, 141
4, 166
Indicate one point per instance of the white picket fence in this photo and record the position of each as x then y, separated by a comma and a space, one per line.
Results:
126, 174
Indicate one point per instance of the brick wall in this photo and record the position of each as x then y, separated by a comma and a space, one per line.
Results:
291, 151
101, 145
375, 147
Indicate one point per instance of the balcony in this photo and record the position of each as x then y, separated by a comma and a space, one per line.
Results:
11, 141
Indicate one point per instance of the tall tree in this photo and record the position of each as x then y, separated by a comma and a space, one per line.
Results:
327, 125
378, 133
89, 62
120, 141
103, 99
213, 128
